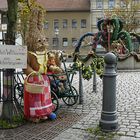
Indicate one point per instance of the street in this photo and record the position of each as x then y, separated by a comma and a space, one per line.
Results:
72, 122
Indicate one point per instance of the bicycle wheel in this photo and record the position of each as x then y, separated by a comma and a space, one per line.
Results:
71, 97
18, 93
55, 100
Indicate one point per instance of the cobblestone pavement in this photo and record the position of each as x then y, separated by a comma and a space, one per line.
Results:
128, 109
79, 118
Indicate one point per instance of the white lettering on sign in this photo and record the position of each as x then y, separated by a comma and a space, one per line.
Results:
13, 56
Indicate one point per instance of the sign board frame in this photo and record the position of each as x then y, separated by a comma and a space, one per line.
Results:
13, 56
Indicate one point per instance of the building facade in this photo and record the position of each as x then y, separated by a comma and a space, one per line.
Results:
98, 7
66, 21
3, 20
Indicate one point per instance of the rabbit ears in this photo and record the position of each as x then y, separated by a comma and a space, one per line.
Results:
36, 20
35, 31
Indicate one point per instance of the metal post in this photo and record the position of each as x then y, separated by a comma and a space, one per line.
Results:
8, 83
94, 81
108, 121
80, 87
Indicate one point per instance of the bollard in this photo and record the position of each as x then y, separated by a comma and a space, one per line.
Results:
108, 121
94, 81
81, 100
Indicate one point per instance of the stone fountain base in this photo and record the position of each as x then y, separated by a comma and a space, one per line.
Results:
131, 61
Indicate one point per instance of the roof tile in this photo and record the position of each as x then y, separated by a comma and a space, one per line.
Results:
66, 5
58, 5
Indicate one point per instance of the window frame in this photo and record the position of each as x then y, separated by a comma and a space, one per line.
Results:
65, 39
46, 25
136, 1
74, 41
84, 23
122, 3
65, 23
74, 23
55, 41
4, 19
56, 24
99, 4
111, 4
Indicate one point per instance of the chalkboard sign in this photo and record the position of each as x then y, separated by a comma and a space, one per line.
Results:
13, 56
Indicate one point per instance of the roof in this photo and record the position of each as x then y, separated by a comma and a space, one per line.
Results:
66, 5
3, 5
58, 5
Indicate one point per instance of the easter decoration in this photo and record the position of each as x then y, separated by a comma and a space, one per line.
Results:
37, 95
112, 38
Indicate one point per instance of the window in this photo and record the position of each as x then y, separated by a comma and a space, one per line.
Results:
99, 4
111, 4
74, 42
74, 23
46, 25
122, 3
65, 42
55, 42
56, 23
4, 19
65, 23
136, 1
83, 23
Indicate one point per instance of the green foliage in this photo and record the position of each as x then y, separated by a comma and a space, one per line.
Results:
128, 11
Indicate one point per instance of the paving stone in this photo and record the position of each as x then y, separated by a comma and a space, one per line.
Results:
134, 130
126, 138
132, 134
138, 135
135, 124
131, 126
124, 129
126, 123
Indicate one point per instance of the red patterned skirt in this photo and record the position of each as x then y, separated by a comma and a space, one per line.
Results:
37, 97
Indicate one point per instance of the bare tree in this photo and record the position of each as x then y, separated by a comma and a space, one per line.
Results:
128, 11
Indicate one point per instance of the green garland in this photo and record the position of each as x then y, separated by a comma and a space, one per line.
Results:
96, 64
